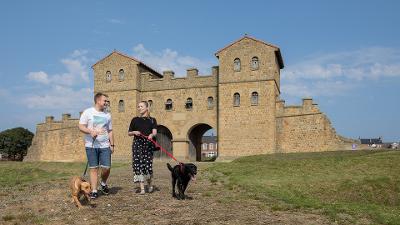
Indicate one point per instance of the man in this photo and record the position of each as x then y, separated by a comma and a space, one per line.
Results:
95, 122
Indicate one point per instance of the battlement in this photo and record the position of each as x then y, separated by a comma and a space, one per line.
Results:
49, 123
192, 79
308, 107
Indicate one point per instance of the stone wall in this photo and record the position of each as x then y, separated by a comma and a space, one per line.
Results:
305, 129
57, 141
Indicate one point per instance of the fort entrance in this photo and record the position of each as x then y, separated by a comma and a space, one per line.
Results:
164, 138
195, 135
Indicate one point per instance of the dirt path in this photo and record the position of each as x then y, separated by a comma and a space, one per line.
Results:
49, 203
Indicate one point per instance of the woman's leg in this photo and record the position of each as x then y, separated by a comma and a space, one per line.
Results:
142, 191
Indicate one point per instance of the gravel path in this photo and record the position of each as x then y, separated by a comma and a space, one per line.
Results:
49, 203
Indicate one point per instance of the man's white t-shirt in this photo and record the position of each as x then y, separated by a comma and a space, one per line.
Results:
97, 121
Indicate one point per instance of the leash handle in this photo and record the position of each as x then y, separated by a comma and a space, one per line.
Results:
158, 145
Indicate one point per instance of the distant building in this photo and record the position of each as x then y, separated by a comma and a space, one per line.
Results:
370, 141
209, 146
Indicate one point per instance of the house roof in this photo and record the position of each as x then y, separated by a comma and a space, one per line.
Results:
209, 139
131, 58
371, 140
277, 50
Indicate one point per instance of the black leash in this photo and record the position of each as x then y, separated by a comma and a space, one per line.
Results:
87, 163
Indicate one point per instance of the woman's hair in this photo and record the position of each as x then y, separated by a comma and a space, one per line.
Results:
147, 106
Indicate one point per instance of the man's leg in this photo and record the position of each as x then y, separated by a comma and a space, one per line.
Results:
93, 159
105, 172
93, 178
105, 164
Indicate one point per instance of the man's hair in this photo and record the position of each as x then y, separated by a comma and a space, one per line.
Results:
98, 95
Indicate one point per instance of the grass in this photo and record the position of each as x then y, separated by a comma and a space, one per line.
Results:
348, 186
24, 173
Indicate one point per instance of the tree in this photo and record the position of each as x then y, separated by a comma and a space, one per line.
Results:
15, 142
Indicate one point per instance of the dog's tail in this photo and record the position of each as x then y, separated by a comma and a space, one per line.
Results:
169, 167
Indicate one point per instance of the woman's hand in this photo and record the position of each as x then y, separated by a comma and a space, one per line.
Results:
134, 133
150, 137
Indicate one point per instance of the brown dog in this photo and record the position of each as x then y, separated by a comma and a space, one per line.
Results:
78, 187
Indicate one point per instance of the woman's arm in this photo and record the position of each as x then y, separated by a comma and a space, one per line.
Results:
131, 130
133, 133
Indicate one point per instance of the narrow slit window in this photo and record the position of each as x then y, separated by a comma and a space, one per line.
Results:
236, 99
121, 106
254, 98
189, 103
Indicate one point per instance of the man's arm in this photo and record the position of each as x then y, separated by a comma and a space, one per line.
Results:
83, 128
111, 138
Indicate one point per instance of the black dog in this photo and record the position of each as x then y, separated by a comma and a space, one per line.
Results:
181, 175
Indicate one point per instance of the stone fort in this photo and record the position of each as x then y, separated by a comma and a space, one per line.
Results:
240, 100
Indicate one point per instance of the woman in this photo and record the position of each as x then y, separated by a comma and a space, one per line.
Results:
142, 149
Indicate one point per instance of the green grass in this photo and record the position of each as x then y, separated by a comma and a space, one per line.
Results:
24, 173
345, 185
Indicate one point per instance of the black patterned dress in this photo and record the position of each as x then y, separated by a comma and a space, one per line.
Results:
142, 149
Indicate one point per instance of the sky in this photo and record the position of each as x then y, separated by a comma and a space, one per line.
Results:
343, 54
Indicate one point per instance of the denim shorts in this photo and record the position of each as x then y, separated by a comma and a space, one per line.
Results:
99, 157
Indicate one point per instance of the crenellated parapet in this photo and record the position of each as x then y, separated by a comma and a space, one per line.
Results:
57, 140
192, 79
307, 108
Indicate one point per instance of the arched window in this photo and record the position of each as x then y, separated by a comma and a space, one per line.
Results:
236, 64
210, 102
236, 99
254, 63
211, 146
107, 107
189, 103
205, 146
150, 103
254, 98
108, 76
168, 104
121, 75
121, 106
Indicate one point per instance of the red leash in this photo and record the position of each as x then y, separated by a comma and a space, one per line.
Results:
162, 149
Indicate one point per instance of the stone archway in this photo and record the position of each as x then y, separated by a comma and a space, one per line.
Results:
195, 135
164, 138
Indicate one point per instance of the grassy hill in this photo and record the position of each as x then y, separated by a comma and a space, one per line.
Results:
348, 186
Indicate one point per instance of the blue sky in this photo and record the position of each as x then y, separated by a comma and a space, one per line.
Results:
344, 54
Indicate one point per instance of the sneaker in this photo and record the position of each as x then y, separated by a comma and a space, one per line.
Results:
151, 189
142, 192
94, 195
104, 189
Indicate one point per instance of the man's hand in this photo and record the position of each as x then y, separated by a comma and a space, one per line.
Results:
112, 147
94, 133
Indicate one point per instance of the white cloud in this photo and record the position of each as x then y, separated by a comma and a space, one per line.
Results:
60, 97
337, 73
169, 59
115, 21
68, 90
77, 71
40, 77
